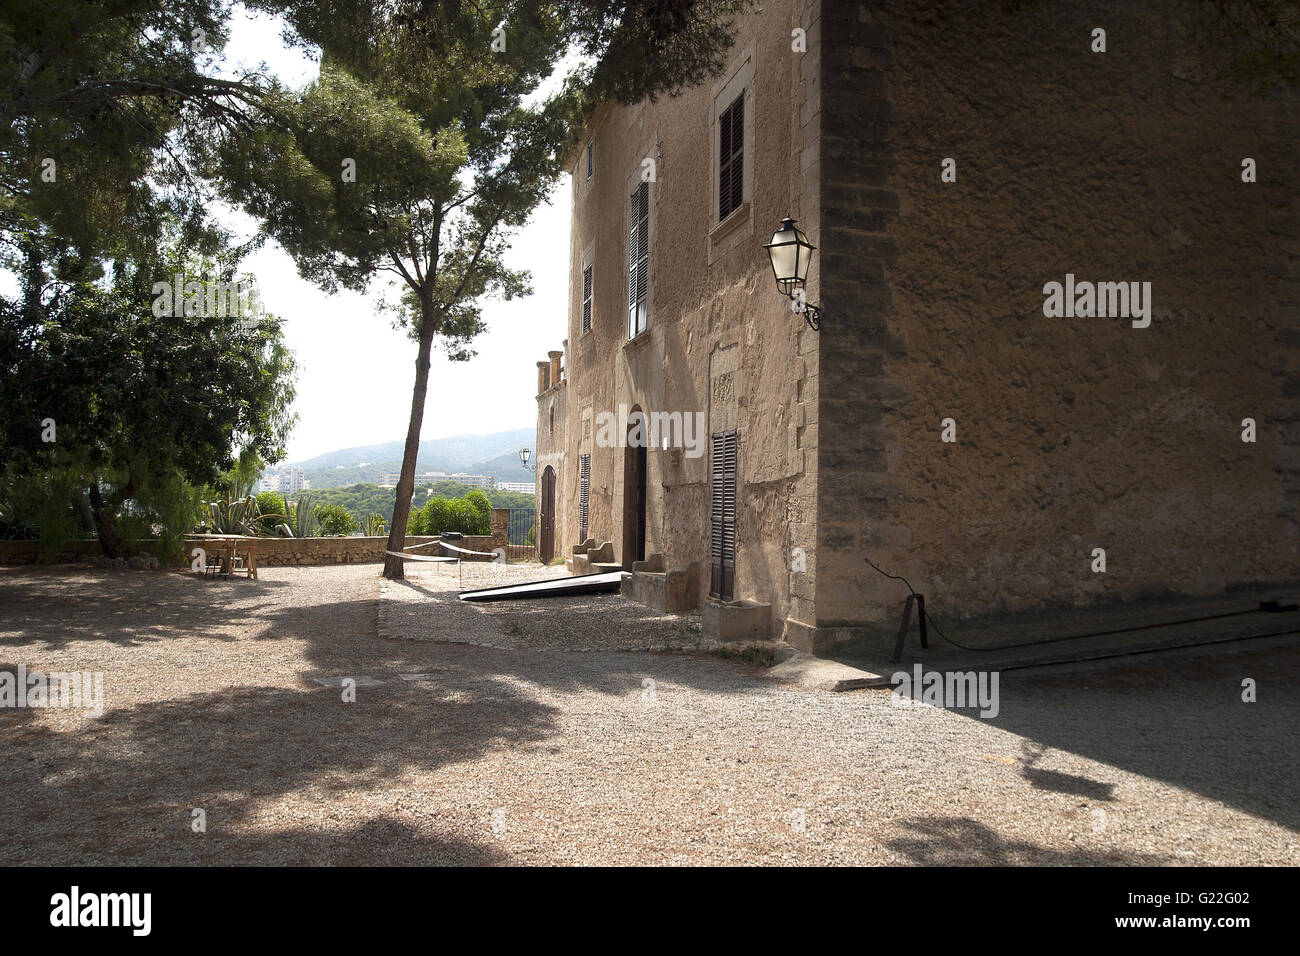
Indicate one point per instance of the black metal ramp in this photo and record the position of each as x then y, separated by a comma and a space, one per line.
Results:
599, 583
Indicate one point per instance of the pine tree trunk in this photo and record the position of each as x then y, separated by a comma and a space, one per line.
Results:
393, 567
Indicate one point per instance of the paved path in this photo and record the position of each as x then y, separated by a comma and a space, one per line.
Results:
527, 753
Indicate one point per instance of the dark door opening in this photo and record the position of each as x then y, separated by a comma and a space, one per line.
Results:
546, 533
634, 497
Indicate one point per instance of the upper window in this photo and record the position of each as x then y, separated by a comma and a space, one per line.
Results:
731, 157
591, 157
586, 299
638, 259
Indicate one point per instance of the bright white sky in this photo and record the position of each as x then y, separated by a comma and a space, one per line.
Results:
355, 372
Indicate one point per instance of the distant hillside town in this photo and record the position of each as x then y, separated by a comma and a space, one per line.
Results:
433, 477
289, 480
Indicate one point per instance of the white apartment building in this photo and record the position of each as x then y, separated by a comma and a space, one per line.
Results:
291, 480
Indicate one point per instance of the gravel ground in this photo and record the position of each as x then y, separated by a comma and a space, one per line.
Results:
426, 607
524, 752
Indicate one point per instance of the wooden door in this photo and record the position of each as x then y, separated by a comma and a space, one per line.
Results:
546, 534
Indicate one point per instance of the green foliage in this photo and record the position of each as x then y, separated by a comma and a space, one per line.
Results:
235, 512
142, 405
42, 508
169, 508
451, 155
335, 520
465, 515
511, 499
374, 525
482, 505
14, 526
300, 519
272, 511
361, 500
112, 91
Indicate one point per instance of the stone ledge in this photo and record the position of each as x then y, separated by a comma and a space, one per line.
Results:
736, 620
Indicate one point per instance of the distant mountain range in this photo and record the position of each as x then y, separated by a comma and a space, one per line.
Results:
496, 454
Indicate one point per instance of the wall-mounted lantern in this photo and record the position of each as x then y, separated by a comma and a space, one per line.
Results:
524, 455
791, 254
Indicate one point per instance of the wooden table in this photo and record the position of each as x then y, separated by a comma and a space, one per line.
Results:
227, 547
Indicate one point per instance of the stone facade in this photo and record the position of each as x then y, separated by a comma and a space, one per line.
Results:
1071, 434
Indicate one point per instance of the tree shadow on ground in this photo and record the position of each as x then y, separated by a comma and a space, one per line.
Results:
126, 777
123, 607
1177, 717
121, 788
961, 841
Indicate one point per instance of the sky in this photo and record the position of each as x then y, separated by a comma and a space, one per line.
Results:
355, 371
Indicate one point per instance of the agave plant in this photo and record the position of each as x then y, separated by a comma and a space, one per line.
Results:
374, 525
299, 521
233, 514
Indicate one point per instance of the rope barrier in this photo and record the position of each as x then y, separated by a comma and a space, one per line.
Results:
446, 544
421, 557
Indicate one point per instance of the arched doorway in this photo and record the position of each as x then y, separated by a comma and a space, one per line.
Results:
634, 489
546, 523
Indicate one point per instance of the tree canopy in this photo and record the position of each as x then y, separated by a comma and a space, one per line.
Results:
423, 142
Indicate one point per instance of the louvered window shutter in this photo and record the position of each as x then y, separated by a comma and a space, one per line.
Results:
722, 543
584, 494
586, 299
731, 157
638, 259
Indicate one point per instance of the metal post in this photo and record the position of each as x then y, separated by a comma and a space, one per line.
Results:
902, 630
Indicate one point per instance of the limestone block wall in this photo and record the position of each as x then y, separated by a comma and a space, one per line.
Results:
1071, 433
721, 342
500, 527
551, 451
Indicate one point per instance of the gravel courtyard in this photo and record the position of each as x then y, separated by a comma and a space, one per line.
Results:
547, 733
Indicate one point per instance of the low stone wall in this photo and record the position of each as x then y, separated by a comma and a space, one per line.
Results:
27, 552
271, 552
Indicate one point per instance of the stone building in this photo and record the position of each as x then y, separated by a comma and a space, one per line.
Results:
956, 419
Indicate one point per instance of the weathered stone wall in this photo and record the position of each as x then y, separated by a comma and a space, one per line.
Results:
720, 340
271, 552
552, 452
1072, 433
500, 527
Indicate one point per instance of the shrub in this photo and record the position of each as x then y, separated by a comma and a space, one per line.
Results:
335, 520
465, 515
481, 504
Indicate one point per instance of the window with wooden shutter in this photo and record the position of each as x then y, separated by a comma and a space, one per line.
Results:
584, 494
638, 259
731, 157
722, 545
586, 299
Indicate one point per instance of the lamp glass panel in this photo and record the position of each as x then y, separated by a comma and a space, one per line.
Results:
785, 258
